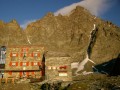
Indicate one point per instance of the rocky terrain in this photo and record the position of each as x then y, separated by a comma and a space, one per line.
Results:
11, 34
72, 34
88, 82
92, 43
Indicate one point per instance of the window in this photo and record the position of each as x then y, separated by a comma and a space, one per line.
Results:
35, 63
35, 55
54, 67
10, 73
63, 67
63, 74
21, 73
24, 63
24, 49
49, 67
25, 74
33, 73
13, 56
13, 64
2, 54
24, 55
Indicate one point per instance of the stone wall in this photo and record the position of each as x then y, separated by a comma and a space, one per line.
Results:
58, 68
23, 58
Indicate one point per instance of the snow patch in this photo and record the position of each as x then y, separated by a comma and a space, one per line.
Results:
83, 63
92, 61
94, 17
94, 27
74, 65
86, 73
28, 40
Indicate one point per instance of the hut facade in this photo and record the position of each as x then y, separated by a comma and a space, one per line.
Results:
23, 61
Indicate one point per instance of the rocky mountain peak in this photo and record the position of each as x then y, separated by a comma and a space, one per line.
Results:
50, 14
13, 22
13, 25
85, 38
1, 22
80, 9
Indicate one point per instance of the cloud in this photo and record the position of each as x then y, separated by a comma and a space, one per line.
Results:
26, 22
96, 7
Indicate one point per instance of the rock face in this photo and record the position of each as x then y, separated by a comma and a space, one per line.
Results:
72, 34
11, 33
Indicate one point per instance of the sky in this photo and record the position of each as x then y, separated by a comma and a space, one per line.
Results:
26, 11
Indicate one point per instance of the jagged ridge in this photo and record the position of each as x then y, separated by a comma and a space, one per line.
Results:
68, 34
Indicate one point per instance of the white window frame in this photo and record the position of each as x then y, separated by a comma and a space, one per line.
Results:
35, 54
14, 54
63, 74
53, 67
24, 63
13, 63
49, 67
35, 63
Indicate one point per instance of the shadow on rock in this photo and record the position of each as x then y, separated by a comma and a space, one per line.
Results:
112, 67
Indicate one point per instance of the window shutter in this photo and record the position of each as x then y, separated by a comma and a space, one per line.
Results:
10, 73
27, 49
54, 67
22, 49
38, 54
16, 54
38, 63
21, 63
33, 73
10, 64
32, 54
27, 54
21, 54
63, 67
20, 73
32, 63
27, 63
27, 73
49, 67
10, 54
16, 63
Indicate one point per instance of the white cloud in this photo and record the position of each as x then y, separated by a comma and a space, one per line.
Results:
25, 23
96, 7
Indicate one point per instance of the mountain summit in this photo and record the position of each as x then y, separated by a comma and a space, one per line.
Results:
87, 39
